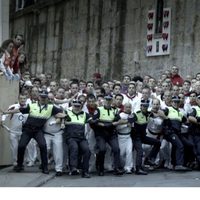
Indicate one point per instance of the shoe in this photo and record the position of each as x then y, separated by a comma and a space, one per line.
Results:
18, 168
45, 171
30, 164
118, 172
140, 172
75, 172
40, 166
101, 173
58, 173
181, 168
85, 175
128, 172
149, 162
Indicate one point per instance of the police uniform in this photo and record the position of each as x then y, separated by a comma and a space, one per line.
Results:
106, 134
139, 137
38, 115
172, 134
74, 135
195, 133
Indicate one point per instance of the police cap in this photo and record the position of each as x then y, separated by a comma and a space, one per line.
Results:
144, 102
176, 99
43, 94
76, 103
108, 97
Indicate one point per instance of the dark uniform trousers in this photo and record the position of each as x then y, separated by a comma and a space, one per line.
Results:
101, 141
25, 139
137, 144
177, 147
73, 145
195, 139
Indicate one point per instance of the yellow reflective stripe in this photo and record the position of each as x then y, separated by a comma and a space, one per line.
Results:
44, 114
174, 114
141, 119
197, 108
104, 117
77, 119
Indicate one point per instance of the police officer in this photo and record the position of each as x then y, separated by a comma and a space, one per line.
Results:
194, 118
139, 136
74, 134
105, 133
38, 115
172, 133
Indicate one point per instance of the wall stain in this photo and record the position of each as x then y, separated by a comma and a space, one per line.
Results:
119, 45
87, 40
61, 11
99, 28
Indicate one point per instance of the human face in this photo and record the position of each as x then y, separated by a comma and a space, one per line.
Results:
74, 88
165, 86
53, 86
145, 93
174, 70
131, 89
91, 102
34, 93
175, 90
155, 105
90, 87
152, 82
186, 87
18, 40
127, 108
21, 58
51, 98
118, 101
193, 97
10, 47
126, 80
22, 100
106, 87
82, 85
117, 89
60, 93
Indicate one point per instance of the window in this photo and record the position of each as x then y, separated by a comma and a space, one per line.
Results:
19, 4
159, 17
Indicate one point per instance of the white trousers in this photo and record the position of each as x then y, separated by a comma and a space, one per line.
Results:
56, 140
126, 154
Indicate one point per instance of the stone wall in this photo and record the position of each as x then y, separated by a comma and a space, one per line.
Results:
75, 38
9, 95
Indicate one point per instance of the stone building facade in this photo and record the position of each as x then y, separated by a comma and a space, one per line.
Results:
75, 38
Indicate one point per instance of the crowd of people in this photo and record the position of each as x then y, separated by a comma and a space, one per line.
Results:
132, 125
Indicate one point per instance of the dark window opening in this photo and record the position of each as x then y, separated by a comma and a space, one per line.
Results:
159, 16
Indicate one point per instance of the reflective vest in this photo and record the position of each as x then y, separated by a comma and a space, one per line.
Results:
175, 117
197, 108
76, 127
107, 115
141, 118
37, 112
79, 119
175, 114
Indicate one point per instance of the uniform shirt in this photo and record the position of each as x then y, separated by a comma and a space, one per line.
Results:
73, 129
36, 122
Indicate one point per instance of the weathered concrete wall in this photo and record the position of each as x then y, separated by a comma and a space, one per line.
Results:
4, 20
75, 38
9, 95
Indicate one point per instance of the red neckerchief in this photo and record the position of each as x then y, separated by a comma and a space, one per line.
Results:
91, 110
131, 97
